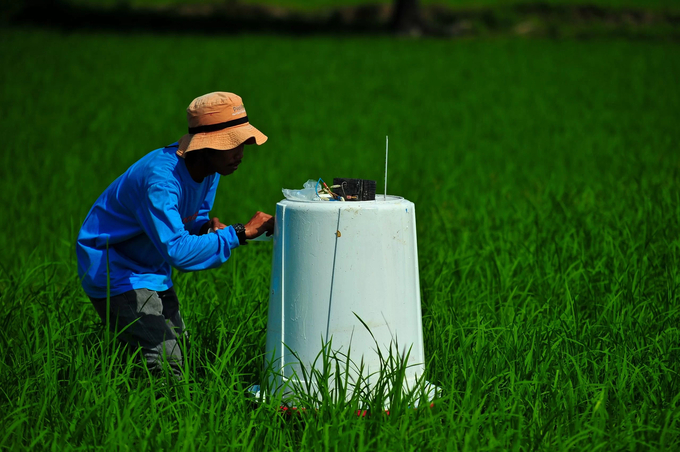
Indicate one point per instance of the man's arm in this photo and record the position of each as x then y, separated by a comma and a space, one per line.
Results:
159, 216
259, 224
213, 224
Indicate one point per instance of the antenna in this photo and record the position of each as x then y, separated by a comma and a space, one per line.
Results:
387, 153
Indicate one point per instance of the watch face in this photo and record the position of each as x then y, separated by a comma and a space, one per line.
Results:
240, 233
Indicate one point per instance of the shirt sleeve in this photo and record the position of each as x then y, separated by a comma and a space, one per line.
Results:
206, 206
160, 219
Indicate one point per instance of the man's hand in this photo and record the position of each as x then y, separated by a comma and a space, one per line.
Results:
259, 224
213, 224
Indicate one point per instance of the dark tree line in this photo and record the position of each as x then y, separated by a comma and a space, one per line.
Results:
406, 16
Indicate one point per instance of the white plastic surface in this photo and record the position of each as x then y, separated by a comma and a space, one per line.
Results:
334, 262
262, 238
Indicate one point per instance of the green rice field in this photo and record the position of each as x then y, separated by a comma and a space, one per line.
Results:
546, 176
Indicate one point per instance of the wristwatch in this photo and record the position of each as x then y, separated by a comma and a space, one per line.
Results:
240, 233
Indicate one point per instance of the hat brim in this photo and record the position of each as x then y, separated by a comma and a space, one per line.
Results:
221, 139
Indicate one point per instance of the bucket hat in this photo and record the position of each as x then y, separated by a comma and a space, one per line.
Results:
218, 121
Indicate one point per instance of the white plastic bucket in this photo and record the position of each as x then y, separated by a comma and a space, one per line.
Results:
339, 270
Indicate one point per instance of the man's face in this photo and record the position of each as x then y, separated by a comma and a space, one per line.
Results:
225, 162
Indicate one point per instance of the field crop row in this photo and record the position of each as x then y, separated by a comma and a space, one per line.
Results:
547, 186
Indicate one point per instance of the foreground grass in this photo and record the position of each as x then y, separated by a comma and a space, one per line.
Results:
547, 185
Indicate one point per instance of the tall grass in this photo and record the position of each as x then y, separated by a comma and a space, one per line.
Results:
546, 181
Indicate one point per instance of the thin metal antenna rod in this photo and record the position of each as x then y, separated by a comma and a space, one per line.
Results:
387, 153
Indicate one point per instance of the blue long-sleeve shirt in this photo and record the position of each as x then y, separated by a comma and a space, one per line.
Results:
146, 222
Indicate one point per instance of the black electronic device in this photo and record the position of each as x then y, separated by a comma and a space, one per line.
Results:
354, 189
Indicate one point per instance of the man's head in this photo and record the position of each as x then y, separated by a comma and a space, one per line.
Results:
218, 121
202, 162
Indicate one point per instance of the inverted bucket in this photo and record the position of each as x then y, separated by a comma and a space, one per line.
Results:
345, 276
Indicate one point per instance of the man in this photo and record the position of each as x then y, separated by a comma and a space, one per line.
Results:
154, 217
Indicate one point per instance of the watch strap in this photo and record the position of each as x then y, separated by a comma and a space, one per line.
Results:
240, 233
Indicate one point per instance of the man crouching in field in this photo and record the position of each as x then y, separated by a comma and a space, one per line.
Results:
154, 217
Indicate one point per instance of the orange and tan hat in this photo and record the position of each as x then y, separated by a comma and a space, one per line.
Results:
218, 121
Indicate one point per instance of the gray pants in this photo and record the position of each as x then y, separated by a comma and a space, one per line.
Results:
149, 320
